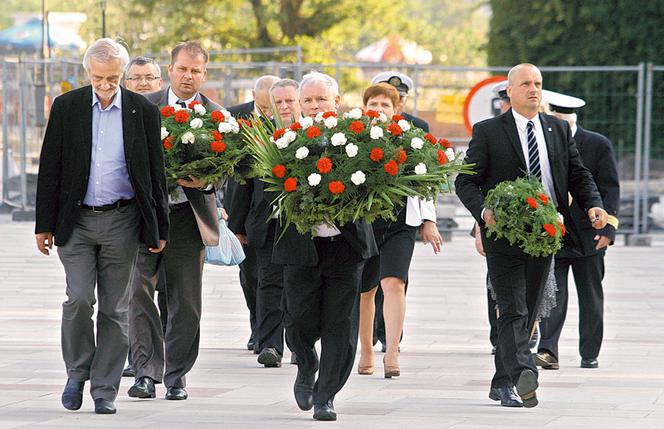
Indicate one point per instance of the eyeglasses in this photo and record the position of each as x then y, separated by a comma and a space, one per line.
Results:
148, 78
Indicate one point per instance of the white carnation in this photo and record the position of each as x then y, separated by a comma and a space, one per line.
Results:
196, 123
416, 143
306, 122
382, 117
224, 127
314, 179
177, 107
281, 143
301, 153
226, 114
164, 133
351, 150
355, 113
421, 168
376, 132
188, 137
404, 125
331, 122
338, 139
450, 154
319, 117
290, 136
358, 178
200, 109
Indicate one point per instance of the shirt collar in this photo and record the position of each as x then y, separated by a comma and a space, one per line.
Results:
172, 98
522, 121
117, 100
574, 129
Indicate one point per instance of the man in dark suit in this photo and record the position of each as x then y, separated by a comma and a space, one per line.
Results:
503, 148
251, 219
194, 225
321, 284
585, 257
259, 106
101, 191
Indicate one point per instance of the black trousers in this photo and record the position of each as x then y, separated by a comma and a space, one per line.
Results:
588, 274
249, 284
493, 319
518, 281
269, 332
319, 305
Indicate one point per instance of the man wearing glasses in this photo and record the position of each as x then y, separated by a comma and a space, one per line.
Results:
143, 76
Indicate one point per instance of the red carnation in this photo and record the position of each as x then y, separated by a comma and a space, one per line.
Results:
372, 114
445, 143
295, 126
397, 118
401, 156
394, 129
168, 143
532, 202
279, 171
430, 138
550, 229
328, 114
217, 146
167, 111
543, 198
356, 126
442, 158
290, 184
216, 135
324, 165
336, 187
563, 230
181, 116
217, 116
376, 154
313, 132
279, 133
244, 123
391, 168
193, 103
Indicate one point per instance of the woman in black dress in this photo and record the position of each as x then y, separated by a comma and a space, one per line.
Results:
396, 240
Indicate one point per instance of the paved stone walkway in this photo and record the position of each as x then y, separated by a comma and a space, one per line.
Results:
445, 360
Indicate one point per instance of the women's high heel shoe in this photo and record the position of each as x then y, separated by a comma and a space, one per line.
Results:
391, 371
365, 370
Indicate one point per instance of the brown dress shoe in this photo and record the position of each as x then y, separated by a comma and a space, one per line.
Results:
546, 360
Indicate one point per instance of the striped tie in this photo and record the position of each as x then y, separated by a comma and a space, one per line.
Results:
533, 152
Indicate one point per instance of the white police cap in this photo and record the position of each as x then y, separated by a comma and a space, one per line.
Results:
500, 90
398, 80
560, 102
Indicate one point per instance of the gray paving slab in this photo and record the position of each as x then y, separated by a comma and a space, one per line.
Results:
445, 361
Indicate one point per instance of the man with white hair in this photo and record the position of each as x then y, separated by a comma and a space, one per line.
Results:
284, 96
101, 192
319, 93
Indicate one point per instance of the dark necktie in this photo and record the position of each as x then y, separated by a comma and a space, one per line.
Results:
181, 103
533, 152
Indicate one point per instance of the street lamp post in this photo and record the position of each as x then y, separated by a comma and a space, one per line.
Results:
102, 6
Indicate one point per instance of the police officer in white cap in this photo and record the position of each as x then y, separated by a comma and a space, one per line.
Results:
403, 84
501, 103
585, 255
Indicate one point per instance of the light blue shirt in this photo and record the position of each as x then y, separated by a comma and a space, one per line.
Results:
109, 179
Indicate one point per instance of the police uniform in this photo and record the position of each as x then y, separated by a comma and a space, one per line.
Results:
403, 84
586, 262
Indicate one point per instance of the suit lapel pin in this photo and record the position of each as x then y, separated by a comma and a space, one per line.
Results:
134, 111
549, 128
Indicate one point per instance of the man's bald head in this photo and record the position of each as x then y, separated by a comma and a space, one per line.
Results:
261, 93
524, 88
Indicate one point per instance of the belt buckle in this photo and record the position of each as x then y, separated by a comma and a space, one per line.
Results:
94, 209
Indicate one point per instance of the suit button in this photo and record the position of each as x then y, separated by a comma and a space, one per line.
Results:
78, 203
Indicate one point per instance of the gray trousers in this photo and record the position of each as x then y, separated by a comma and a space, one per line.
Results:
100, 252
172, 354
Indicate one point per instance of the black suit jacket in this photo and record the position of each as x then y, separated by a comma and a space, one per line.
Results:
294, 248
243, 111
202, 203
64, 165
496, 151
597, 155
419, 123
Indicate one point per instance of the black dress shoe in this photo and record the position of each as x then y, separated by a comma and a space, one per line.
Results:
128, 371
546, 360
526, 387
72, 396
304, 390
250, 344
506, 395
143, 388
325, 411
176, 394
493, 350
269, 358
589, 363
102, 406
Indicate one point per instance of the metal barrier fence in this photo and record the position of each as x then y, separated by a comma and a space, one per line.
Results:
28, 88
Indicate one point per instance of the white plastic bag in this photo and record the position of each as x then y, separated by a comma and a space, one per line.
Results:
229, 250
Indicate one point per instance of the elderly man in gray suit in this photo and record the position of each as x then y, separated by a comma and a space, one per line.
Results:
193, 225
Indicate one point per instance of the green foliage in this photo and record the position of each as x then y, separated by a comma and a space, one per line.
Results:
524, 216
